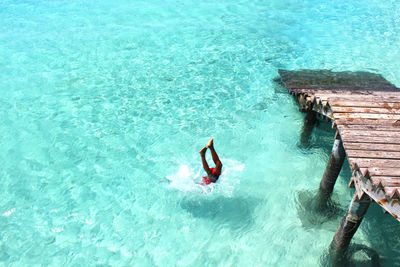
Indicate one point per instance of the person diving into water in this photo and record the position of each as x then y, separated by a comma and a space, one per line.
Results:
212, 173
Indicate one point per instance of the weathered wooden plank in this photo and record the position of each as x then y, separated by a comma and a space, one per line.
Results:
370, 133
360, 98
386, 181
371, 147
339, 109
384, 171
366, 116
343, 103
361, 121
373, 154
370, 139
352, 93
349, 92
366, 127
367, 163
318, 92
370, 98
391, 93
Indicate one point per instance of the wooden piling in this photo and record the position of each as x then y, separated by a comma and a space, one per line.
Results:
333, 167
330, 176
348, 226
309, 121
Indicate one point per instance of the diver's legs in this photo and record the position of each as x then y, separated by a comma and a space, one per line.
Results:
217, 161
204, 161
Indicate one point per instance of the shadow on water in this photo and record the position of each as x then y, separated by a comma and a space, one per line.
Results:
236, 213
382, 232
357, 255
279, 90
279, 87
383, 248
265, 103
313, 214
317, 135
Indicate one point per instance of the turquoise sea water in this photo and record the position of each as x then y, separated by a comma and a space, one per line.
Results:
100, 101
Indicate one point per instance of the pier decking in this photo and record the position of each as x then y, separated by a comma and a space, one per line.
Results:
365, 110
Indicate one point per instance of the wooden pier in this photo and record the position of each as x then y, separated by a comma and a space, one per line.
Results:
364, 108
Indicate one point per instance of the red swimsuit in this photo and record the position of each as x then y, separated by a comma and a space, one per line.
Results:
215, 175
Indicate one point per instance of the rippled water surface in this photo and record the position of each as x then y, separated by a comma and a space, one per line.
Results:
101, 101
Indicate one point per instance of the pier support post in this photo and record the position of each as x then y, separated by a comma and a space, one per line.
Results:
348, 226
333, 168
309, 122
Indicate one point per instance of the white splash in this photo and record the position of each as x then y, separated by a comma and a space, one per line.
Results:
184, 180
8, 213
189, 179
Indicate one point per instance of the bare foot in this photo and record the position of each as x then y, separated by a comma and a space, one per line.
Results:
203, 151
210, 143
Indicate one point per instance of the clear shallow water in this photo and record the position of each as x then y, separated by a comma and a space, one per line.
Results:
101, 101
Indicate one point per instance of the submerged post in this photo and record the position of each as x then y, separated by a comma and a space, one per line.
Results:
309, 122
349, 225
333, 168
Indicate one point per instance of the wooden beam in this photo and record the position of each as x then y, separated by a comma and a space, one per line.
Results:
369, 139
340, 109
373, 154
366, 127
367, 163
340, 92
369, 104
366, 116
374, 104
371, 147
384, 171
363, 121
366, 132
369, 98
